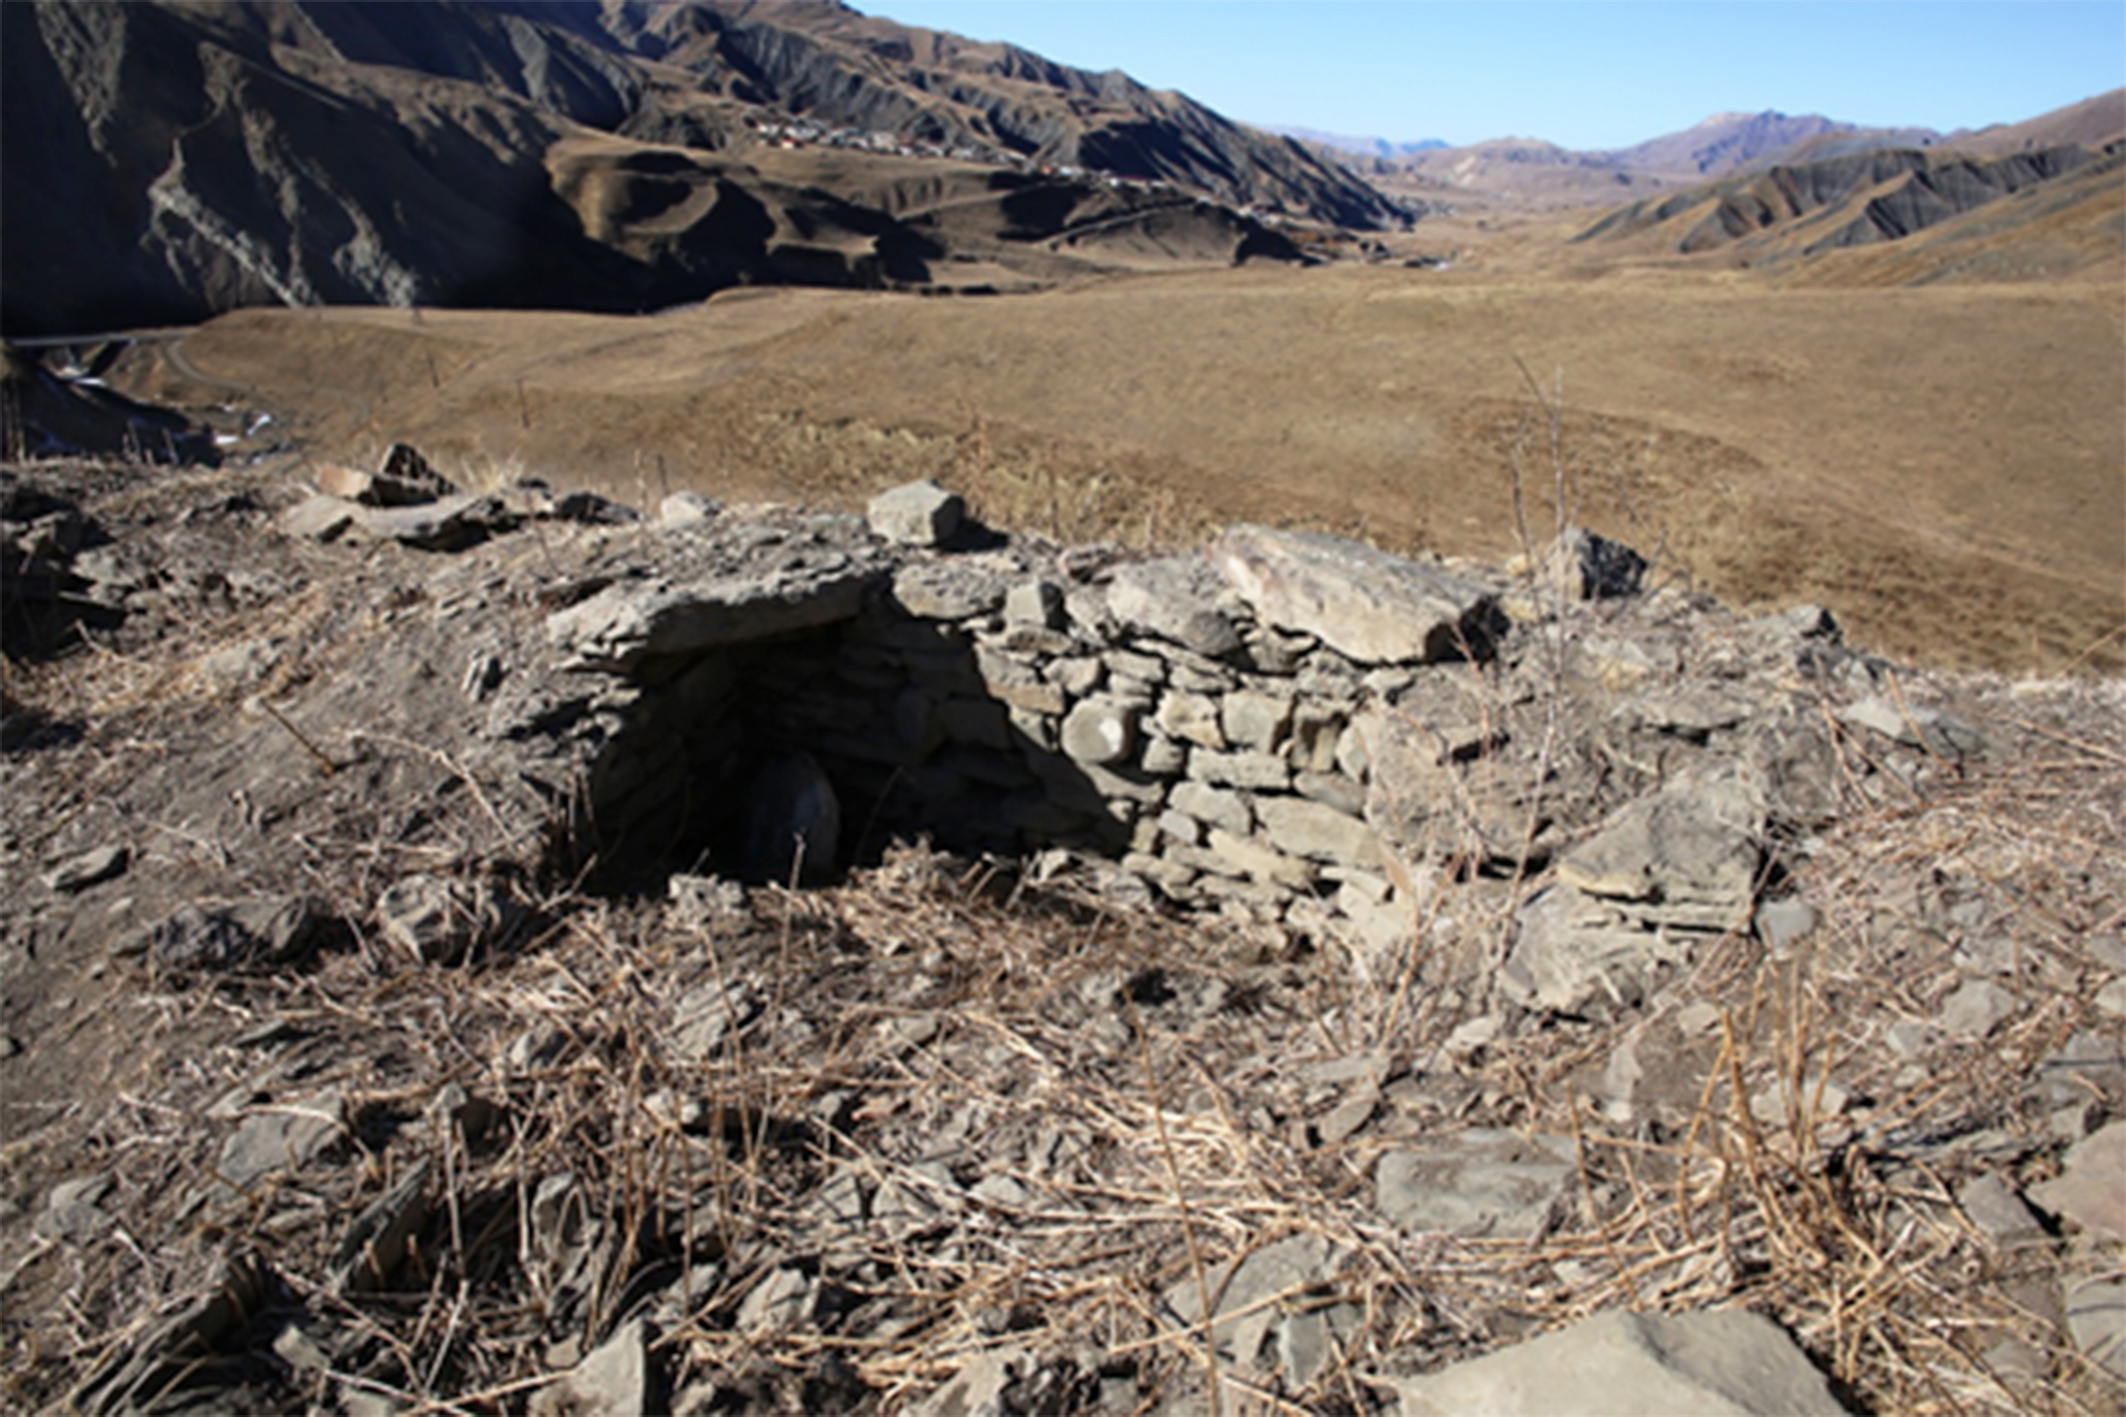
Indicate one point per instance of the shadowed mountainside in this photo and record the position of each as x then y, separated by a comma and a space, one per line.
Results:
189, 159
837, 68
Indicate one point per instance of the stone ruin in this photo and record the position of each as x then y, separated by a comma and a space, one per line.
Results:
1290, 728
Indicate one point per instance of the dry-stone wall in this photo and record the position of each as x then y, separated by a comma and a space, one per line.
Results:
1289, 726
1202, 719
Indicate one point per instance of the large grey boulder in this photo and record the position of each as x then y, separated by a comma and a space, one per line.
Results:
1175, 599
1688, 855
628, 622
1583, 566
917, 514
1362, 602
1726, 1363
793, 823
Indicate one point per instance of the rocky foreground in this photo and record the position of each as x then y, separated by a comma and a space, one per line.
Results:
474, 951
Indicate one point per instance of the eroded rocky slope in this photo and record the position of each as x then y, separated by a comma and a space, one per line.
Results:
1861, 199
179, 160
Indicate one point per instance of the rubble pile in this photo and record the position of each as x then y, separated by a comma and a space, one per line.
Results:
501, 949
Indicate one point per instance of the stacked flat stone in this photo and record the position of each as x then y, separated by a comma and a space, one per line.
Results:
1199, 718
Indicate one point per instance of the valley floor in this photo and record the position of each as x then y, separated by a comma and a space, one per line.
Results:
1941, 466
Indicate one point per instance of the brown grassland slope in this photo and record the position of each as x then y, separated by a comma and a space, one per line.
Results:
1942, 466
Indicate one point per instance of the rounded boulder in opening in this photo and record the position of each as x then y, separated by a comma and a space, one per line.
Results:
791, 823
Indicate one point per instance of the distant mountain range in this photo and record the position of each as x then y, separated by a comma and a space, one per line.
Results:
1769, 186
170, 159
1363, 147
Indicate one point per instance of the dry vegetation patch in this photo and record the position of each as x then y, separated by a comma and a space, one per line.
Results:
957, 1120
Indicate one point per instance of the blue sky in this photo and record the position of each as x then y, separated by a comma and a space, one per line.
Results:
1586, 75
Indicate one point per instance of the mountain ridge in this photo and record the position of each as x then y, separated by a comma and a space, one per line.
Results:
1535, 172
194, 158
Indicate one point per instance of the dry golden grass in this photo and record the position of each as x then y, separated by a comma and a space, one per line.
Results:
1942, 466
1837, 1220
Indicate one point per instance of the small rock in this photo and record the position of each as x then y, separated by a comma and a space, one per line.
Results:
2090, 1067
778, 1303
267, 931
1576, 955
1035, 603
702, 901
1590, 567
88, 869
433, 919
1802, 622
1191, 718
1686, 855
467, 1114
407, 480
1472, 1034
319, 518
449, 525
1100, 730
1976, 1009
616, 1380
917, 514
1258, 772
1317, 831
1780, 923
2091, 1187
687, 509
1729, 1361
708, 1014
1273, 1309
74, 1211
286, 1138
350, 484
1362, 602
375, 1244
2112, 998
977, 1389
1175, 599
300, 1351
955, 588
1258, 859
1998, 1212
1214, 806
1000, 1191
483, 675
1909, 1038
1481, 1182
2096, 1316
1915, 727
1255, 722
1343, 1120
